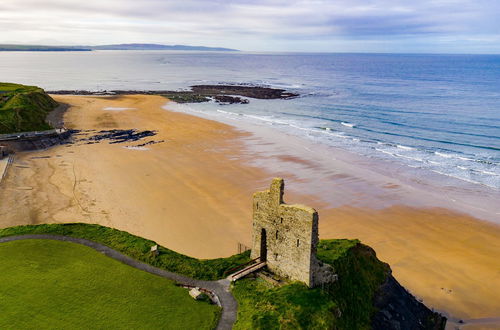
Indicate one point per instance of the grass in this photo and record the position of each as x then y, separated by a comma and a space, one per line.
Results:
138, 248
24, 108
293, 306
360, 276
346, 304
56, 285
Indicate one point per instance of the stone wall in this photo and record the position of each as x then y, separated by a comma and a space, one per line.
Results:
26, 141
286, 236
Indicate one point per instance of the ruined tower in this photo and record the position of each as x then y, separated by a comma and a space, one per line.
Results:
286, 237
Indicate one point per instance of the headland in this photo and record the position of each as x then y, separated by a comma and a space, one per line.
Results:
191, 191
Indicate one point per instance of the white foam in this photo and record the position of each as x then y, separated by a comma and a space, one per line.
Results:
457, 177
405, 147
411, 158
348, 124
489, 173
227, 112
385, 152
443, 155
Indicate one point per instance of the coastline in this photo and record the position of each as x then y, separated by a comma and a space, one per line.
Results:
364, 181
192, 193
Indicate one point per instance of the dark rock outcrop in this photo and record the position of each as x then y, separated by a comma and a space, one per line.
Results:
223, 94
399, 310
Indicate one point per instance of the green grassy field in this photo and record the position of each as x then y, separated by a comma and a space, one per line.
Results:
24, 108
138, 248
60, 285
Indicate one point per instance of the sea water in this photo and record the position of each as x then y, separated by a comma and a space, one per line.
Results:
438, 113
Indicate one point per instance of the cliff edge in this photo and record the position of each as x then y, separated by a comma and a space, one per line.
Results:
368, 295
24, 108
365, 296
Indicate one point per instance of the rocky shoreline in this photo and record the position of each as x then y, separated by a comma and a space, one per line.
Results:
222, 94
27, 141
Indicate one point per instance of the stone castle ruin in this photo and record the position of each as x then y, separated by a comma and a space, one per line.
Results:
286, 236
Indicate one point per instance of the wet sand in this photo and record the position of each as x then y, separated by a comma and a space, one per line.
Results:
192, 193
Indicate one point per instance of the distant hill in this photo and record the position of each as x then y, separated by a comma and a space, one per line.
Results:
40, 48
158, 47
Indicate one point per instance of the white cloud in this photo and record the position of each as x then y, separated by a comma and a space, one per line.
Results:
262, 24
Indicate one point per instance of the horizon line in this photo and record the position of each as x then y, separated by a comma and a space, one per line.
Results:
233, 50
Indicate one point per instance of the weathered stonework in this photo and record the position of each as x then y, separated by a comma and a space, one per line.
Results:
286, 237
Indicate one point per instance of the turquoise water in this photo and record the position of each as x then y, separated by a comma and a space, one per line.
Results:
439, 113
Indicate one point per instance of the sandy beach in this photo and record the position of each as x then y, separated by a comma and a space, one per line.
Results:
192, 193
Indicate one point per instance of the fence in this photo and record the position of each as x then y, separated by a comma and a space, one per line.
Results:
242, 248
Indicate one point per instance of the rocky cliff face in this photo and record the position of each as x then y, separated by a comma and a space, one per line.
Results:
366, 293
398, 309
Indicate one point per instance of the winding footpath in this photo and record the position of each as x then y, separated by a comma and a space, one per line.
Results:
220, 288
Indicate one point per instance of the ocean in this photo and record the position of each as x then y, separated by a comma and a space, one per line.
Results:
437, 113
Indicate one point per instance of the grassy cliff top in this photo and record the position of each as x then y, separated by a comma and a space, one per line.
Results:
24, 108
10, 87
347, 304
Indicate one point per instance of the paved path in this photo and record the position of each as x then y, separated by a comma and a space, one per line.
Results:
219, 288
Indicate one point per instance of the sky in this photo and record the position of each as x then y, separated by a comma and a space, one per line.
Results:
402, 26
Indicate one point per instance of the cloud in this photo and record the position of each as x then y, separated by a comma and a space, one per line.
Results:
238, 23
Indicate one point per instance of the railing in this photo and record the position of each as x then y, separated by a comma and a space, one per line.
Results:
247, 270
27, 135
239, 267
